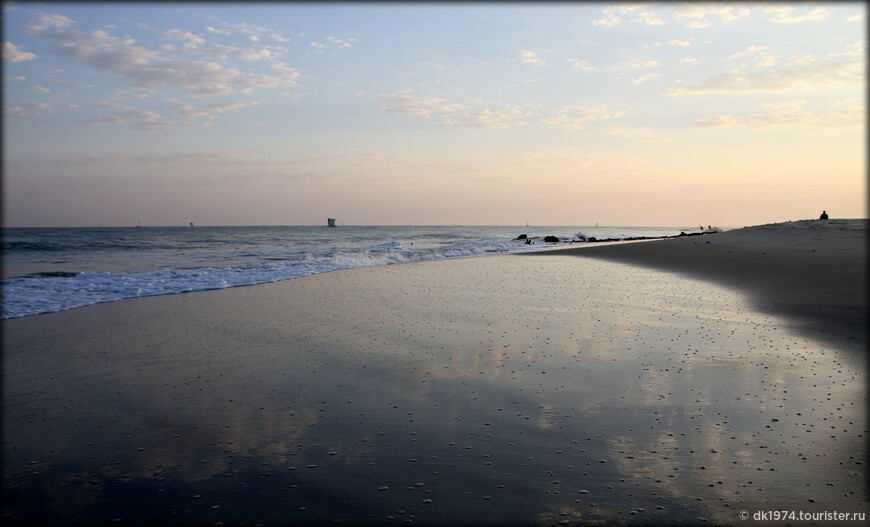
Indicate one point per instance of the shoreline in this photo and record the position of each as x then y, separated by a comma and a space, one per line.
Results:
811, 271
507, 389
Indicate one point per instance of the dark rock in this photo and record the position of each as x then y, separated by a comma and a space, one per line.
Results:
521, 237
551, 239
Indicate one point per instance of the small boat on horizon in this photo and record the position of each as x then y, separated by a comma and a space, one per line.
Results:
330, 222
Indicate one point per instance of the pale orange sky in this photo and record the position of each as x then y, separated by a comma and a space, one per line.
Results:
495, 114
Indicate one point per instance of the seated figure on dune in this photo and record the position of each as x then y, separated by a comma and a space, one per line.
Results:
824, 215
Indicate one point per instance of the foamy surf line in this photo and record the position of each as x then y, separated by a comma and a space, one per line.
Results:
48, 292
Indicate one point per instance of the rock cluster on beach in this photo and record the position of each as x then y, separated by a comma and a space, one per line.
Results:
592, 239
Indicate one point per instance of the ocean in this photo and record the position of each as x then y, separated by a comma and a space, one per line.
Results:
52, 269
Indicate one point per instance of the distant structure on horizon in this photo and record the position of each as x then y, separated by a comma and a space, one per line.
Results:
330, 222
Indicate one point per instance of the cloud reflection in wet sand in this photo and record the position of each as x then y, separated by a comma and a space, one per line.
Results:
483, 388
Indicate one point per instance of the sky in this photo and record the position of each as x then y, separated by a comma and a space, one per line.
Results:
668, 114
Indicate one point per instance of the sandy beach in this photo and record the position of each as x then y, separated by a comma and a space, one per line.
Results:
814, 272
674, 381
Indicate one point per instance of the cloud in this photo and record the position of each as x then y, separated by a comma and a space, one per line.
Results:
140, 119
42, 21
718, 121
613, 15
580, 64
410, 105
638, 63
191, 41
783, 14
800, 61
339, 42
576, 117
449, 113
644, 78
208, 112
13, 54
851, 72
144, 68
40, 89
215, 30
698, 16
530, 57
857, 49
254, 54
159, 68
648, 18
29, 110
640, 134
848, 113
747, 51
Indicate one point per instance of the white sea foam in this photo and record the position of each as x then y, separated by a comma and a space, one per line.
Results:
145, 262
33, 294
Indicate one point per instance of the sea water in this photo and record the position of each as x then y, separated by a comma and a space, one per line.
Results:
52, 269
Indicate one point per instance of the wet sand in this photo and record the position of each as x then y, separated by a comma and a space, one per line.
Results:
814, 272
505, 390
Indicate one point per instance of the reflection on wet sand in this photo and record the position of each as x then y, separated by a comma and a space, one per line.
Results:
574, 391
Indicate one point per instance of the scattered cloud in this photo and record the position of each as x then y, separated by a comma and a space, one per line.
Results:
774, 80
159, 68
207, 112
215, 30
786, 14
43, 21
644, 78
640, 134
718, 121
699, 16
191, 41
634, 13
580, 64
800, 61
332, 42
848, 113
139, 119
576, 117
648, 18
254, 54
13, 54
748, 51
340, 42
636, 63
449, 113
530, 57
29, 110
187, 115
857, 49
